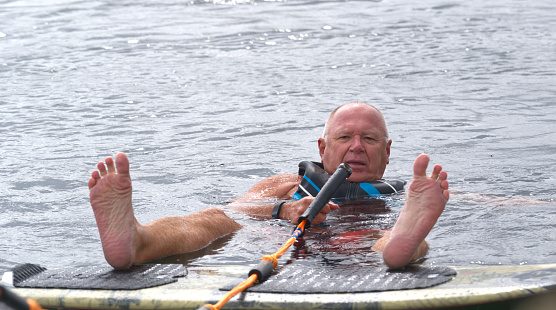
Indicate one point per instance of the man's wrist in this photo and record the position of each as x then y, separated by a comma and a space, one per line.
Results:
277, 208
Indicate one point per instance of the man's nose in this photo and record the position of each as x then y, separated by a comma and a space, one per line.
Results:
356, 144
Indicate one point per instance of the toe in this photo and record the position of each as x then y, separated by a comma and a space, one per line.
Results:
420, 165
110, 165
102, 169
122, 163
92, 182
435, 172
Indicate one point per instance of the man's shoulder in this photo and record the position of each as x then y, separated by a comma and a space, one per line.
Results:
281, 186
279, 183
285, 178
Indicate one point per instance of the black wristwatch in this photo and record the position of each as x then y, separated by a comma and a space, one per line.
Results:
276, 209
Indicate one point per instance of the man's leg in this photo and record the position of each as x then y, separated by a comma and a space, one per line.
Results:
426, 198
125, 241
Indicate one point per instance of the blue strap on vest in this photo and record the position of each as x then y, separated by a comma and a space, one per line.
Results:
314, 177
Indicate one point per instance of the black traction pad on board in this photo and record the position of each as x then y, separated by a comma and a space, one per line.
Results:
294, 279
97, 277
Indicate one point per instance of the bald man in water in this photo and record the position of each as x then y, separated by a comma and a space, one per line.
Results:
355, 133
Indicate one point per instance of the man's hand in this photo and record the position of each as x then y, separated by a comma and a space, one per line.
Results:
293, 210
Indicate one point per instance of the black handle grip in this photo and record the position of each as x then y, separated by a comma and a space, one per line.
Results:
262, 270
323, 197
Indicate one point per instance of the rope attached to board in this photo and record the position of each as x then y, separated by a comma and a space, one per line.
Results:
262, 271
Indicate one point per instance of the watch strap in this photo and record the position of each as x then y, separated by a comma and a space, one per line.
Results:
276, 209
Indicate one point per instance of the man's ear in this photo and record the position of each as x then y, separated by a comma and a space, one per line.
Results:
388, 150
322, 146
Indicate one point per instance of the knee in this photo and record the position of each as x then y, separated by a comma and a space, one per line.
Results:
216, 215
212, 211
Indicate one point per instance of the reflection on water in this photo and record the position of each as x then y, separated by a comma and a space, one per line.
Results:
209, 97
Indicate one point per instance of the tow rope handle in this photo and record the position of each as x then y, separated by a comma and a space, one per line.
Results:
342, 172
15, 302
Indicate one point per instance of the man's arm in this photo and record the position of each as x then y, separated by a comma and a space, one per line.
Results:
281, 186
278, 187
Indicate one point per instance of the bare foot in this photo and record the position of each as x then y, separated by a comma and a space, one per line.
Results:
426, 199
110, 196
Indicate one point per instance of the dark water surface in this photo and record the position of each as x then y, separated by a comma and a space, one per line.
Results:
209, 97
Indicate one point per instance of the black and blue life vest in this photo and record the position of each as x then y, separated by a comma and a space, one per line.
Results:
314, 178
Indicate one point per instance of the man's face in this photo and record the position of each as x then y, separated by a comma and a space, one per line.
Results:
356, 135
